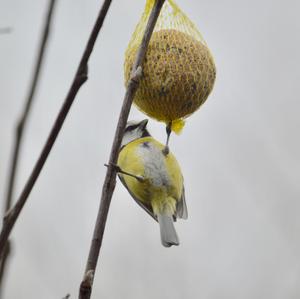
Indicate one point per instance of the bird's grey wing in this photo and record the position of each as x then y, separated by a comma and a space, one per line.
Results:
147, 208
181, 208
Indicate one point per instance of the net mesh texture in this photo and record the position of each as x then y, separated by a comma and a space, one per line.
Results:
178, 72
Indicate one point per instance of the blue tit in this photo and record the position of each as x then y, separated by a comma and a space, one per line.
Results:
153, 178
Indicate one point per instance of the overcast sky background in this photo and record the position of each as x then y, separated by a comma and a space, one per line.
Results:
239, 154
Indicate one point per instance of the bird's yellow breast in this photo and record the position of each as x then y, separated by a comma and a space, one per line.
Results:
163, 179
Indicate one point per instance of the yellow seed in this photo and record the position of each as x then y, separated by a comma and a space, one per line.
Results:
178, 75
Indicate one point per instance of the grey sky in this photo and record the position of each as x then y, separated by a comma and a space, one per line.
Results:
239, 154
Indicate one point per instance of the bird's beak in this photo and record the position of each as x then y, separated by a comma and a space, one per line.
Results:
143, 124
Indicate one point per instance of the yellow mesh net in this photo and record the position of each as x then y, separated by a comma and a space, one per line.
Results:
178, 71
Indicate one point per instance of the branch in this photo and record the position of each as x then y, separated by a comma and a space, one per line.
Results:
79, 79
119, 170
21, 125
110, 178
3, 264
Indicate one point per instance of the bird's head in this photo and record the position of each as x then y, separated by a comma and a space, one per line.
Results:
135, 130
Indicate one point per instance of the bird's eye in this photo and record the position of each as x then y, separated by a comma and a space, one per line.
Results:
131, 128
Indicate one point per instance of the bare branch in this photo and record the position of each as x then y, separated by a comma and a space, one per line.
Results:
21, 125
110, 178
79, 79
119, 170
3, 264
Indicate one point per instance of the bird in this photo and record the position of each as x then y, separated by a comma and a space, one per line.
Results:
153, 178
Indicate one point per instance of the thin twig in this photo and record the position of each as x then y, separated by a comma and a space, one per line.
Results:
3, 264
110, 178
22, 124
140, 178
79, 79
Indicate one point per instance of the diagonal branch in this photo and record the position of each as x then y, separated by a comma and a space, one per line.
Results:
21, 125
110, 179
79, 79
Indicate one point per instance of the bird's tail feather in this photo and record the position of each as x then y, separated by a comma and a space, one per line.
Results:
167, 230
